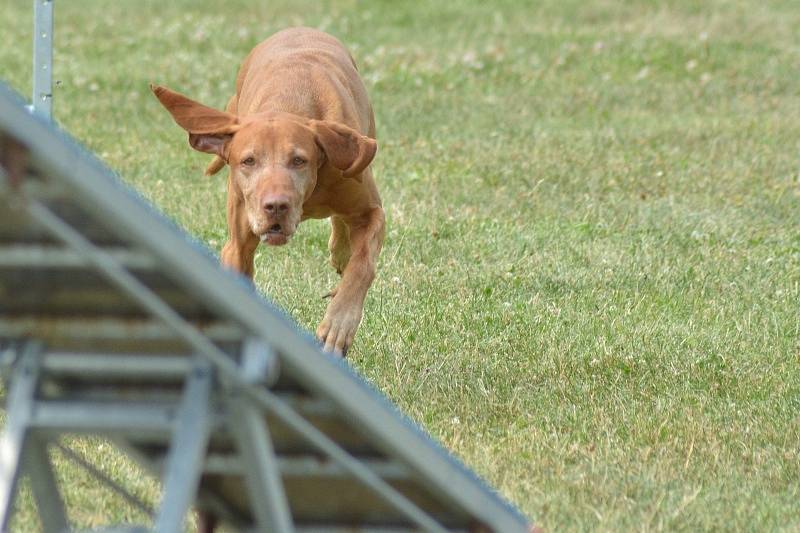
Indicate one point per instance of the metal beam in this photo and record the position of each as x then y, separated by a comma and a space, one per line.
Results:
111, 417
137, 290
40, 256
260, 365
106, 329
308, 466
349, 529
130, 366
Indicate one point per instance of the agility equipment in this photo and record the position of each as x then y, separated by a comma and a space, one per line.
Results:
115, 323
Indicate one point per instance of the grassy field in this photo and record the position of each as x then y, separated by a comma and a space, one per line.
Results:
590, 283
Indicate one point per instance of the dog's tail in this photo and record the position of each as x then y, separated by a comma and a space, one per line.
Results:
215, 166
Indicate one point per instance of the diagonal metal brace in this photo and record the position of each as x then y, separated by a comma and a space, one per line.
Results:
268, 501
44, 485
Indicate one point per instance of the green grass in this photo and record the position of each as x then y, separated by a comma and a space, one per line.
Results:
589, 289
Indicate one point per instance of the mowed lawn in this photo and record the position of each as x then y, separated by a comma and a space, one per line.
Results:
590, 282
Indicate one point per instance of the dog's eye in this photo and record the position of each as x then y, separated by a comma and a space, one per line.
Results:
249, 162
298, 161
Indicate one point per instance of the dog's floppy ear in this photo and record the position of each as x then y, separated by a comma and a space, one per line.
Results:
209, 129
345, 148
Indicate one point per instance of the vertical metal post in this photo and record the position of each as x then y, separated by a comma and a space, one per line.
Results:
19, 406
268, 500
42, 100
186, 456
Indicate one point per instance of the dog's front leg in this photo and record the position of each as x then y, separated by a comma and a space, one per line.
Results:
338, 327
240, 250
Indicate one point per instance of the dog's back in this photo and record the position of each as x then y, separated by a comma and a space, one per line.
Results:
305, 72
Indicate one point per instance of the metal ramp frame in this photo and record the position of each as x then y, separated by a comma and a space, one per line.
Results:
113, 323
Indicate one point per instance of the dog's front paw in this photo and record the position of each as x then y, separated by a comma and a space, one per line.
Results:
338, 329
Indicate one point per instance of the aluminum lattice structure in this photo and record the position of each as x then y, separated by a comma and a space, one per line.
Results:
113, 322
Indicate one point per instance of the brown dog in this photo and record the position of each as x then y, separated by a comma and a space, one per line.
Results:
298, 137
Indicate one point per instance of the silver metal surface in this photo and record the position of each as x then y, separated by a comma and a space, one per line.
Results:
260, 365
306, 466
33, 256
44, 485
117, 365
87, 417
42, 98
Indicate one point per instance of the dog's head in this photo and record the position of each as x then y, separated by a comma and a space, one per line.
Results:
274, 157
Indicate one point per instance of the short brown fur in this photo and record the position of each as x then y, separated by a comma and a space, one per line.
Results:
298, 137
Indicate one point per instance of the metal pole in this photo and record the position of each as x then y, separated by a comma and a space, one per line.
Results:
45, 486
187, 451
262, 473
19, 406
42, 100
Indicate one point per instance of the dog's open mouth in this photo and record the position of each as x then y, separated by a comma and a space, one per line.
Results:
274, 236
